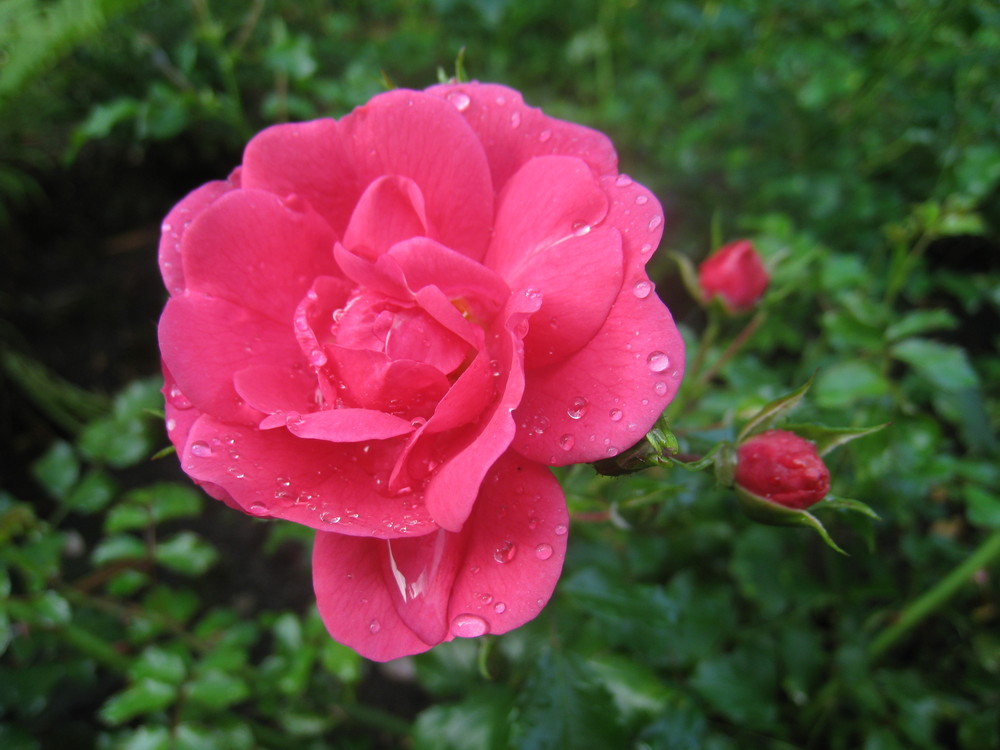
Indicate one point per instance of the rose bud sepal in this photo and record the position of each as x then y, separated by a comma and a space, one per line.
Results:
768, 512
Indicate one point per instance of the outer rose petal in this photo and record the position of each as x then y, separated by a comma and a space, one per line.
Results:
493, 576
176, 224
415, 135
328, 486
390, 210
258, 251
574, 412
204, 341
512, 133
308, 159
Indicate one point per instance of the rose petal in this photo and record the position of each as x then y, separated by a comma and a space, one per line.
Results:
422, 137
204, 341
513, 133
328, 486
372, 381
270, 389
390, 599
390, 210
175, 225
347, 425
308, 159
257, 251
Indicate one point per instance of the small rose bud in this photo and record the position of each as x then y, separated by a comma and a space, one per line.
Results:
736, 274
782, 467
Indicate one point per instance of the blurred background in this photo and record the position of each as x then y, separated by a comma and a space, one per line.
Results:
856, 142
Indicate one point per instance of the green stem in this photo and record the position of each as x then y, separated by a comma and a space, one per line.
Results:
927, 604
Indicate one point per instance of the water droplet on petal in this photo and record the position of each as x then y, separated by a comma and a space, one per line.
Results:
178, 399
171, 425
612, 451
258, 509
623, 180
544, 135
642, 289
561, 530
641, 200
374, 626
543, 551
655, 222
317, 358
660, 388
460, 99
616, 415
469, 626
505, 552
580, 228
201, 449
499, 608
658, 361
515, 119
566, 442
578, 408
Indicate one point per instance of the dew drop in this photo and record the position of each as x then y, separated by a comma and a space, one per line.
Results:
236, 472
616, 415
543, 551
641, 200
499, 608
646, 249
612, 451
544, 135
655, 222
505, 552
566, 442
561, 530
460, 99
658, 361
515, 119
578, 408
660, 388
171, 425
580, 228
317, 358
201, 449
178, 399
642, 289
374, 626
469, 626
623, 180
329, 518
539, 424
258, 509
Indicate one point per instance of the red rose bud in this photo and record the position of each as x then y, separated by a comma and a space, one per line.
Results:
782, 467
736, 274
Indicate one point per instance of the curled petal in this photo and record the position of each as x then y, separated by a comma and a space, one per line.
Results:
176, 224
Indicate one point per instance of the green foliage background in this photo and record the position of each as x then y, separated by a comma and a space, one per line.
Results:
856, 141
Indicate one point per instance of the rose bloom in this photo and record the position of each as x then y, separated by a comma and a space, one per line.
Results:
387, 327
735, 274
782, 467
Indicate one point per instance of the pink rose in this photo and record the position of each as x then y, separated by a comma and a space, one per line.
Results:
736, 274
387, 327
782, 467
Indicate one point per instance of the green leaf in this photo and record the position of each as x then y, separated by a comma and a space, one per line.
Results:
57, 470
142, 697
773, 411
562, 705
942, 365
119, 547
479, 721
144, 738
215, 690
186, 553
92, 493
983, 507
741, 685
157, 663
636, 690
920, 321
164, 501
846, 383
